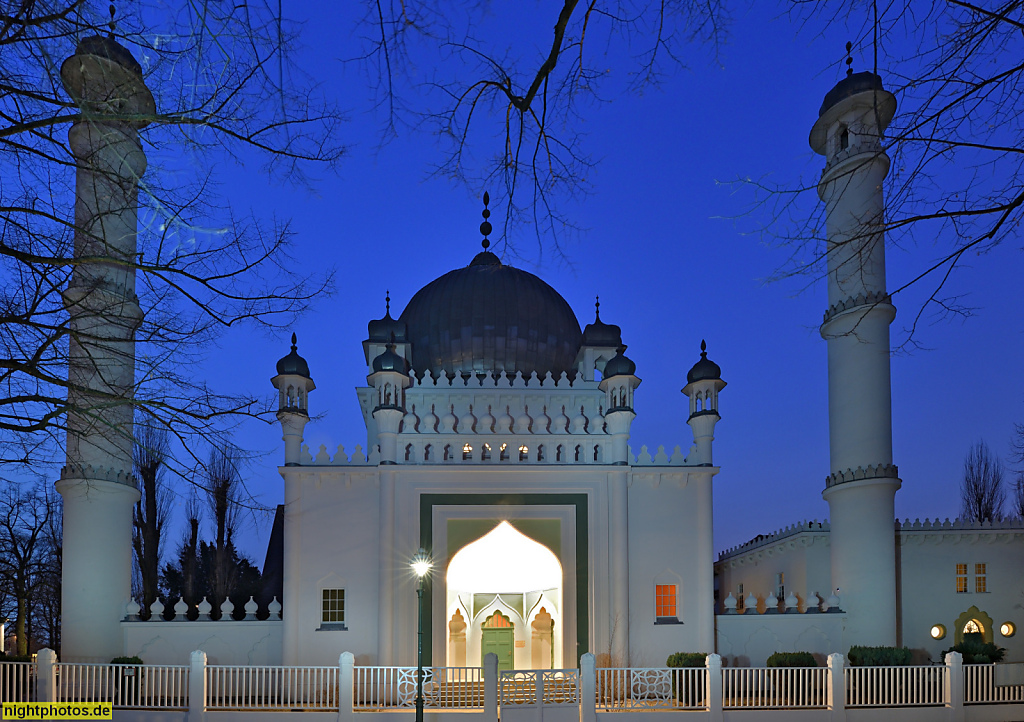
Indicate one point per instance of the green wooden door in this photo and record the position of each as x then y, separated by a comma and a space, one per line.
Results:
498, 636
500, 642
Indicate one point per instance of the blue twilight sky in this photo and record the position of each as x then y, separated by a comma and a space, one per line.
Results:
666, 242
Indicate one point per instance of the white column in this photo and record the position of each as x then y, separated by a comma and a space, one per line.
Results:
46, 675
618, 540
837, 687
97, 565
291, 612
588, 688
703, 551
713, 664
386, 565
346, 662
197, 686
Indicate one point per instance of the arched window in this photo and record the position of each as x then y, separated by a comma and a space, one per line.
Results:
597, 452
447, 452
427, 450
408, 452
844, 137
524, 453
558, 453
503, 453
578, 454
467, 451
485, 452
540, 452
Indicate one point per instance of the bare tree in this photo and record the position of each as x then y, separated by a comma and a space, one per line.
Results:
222, 485
511, 116
223, 87
955, 189
25, 515
981, 492
151, 511
1017, 497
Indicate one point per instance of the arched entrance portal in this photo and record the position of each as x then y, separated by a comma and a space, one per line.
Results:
506, 589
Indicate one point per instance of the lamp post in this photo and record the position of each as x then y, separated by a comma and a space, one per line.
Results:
421, 566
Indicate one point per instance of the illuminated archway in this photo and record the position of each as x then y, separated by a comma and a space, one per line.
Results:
508, 572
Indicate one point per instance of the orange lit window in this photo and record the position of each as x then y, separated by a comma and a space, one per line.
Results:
961, 578
665, 600
980, 582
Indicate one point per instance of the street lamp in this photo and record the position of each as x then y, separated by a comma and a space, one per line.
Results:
421, 567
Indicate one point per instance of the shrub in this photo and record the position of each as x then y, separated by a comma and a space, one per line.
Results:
792, 659
976, 650
879, 656
127, 660
686, 659
15, 657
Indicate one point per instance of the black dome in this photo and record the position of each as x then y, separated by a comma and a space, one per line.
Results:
850, 86
619, 365
386, 329
600, 333
389, 361
705, 368
491, 317
293, 363
106, 47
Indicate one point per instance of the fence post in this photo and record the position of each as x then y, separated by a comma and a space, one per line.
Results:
46, 676
538, 689
490, 687
837, 687
713, 689
955, 686
588, 688
197, 686
346, 686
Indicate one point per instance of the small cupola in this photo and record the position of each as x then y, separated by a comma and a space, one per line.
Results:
293, 381
598, 346
390, 378
619, 382
703, 382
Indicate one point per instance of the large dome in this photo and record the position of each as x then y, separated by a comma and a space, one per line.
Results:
491, 317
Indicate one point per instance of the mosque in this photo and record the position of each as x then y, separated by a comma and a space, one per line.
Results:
498, 446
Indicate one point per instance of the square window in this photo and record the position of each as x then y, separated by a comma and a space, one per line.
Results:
961, 578
980, 579
332, 610
665, 600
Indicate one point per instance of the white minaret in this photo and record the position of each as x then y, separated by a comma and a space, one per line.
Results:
861, 489
390, 378
96, 483
619, 383
293, 385
703, 384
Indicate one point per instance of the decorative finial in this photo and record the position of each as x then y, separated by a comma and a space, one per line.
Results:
849, 59
294, 346
387, 303
597, 307
703, 348
112, 24
485, 227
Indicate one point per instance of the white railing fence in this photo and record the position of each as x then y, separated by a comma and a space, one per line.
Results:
381, 688
126, 686
775, 687
17, 682
896, 686
980, 686
549, 687
271, 688
347, 689
651, 689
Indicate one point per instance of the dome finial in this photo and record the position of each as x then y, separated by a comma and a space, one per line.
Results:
112, 24
387, 304
485, 227
597, 307
703, 348
294, 344
849, 59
